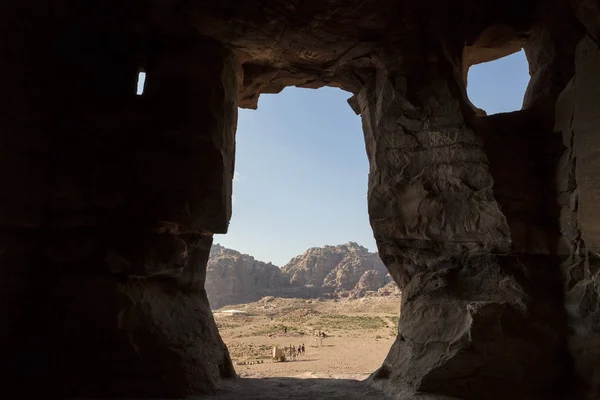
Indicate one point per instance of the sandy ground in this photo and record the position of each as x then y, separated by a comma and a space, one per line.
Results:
338, 358
359, 336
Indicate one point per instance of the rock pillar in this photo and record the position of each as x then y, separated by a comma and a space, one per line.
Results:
578, 180
462, 234
108, 204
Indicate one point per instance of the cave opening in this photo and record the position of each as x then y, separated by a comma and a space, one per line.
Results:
141, 82
499, 86
110, 204
299, 264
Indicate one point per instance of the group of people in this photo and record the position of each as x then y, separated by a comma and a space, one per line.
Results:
296, 351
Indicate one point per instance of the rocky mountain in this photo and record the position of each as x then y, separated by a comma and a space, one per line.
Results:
341, 268
390, 289
330, 271
233, 277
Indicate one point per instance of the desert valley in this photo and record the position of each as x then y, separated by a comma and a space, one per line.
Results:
337, 301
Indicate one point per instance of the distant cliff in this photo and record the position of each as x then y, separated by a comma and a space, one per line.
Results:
340, 268
345, 270
233, 277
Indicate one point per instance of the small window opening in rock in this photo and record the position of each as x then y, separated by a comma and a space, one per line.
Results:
499, 86
140, 83
296, 286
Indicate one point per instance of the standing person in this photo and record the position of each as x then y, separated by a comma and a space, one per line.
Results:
285, 330
303, 350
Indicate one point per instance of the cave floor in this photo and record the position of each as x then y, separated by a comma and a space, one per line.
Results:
295, 388
302, 389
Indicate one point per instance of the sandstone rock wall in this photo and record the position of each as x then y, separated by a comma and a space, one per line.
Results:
234, 278
464, 212
390, 289
578, 121
337, 267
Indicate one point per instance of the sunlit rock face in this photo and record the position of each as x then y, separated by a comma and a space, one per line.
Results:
235, 278
338, 268
329, 271
110, 200
481, 298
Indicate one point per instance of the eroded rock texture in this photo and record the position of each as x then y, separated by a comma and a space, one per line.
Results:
337, 269
109, 200
390, 289
234, 278
473, 314
578, 119
348, 269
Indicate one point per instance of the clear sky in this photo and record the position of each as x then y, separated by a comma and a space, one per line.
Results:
499, 86
301, 165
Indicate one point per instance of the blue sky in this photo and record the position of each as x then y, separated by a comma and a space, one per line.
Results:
301, 165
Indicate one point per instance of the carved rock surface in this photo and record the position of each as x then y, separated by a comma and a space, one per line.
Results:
481, 302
